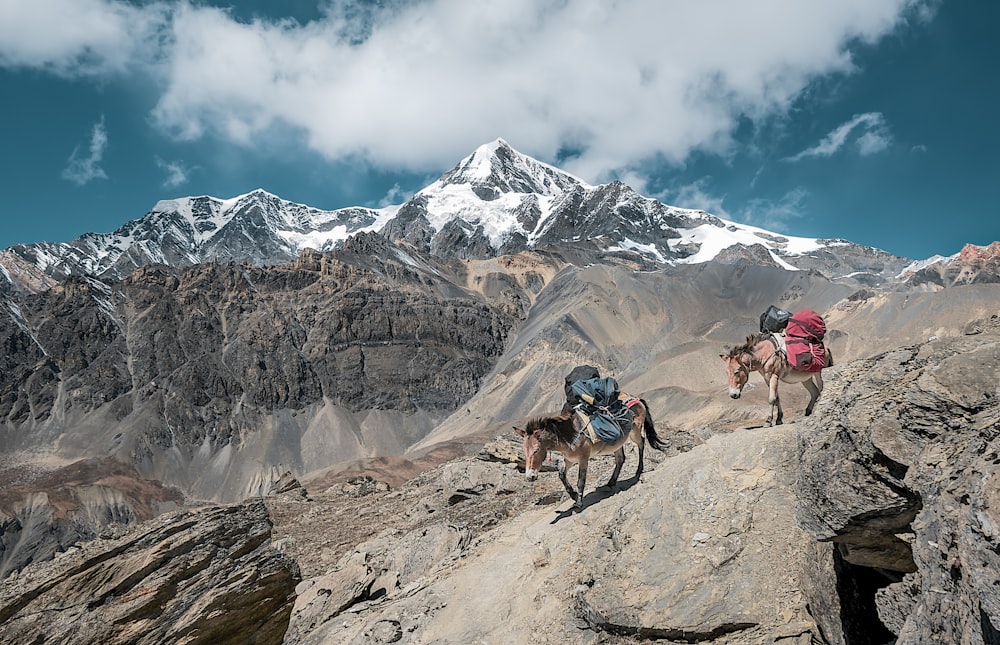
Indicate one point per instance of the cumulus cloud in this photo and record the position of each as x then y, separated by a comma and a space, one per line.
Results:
697, 195
79, 37
177, 173
874, 137
82, 169
415, 84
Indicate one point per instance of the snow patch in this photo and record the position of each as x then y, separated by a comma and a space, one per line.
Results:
919, 265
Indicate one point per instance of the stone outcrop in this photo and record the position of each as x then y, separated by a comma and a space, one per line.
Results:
678, 555
207, 576
42, 514
901, 471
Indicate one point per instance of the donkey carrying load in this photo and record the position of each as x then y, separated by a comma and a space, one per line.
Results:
586, 430
790, 349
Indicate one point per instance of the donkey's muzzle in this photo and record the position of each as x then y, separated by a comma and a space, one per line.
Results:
531, 475
734, 394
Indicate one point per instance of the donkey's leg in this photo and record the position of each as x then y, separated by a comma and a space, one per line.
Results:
639, 437
562, 477
619, 460
813, 393
774, 400
581, 482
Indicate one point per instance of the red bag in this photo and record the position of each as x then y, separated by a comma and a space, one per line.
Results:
806, 324
804, 341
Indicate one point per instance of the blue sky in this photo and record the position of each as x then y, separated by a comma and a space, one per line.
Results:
871, 120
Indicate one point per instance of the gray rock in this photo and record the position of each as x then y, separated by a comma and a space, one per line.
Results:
198, 577
899, 472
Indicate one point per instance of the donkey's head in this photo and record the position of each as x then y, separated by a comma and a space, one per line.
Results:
737, 372
534, 451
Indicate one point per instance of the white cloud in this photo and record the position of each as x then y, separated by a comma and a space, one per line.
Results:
874, 138
177, 173
775, 215
78, 37
419, 83
84, 169
394, 195
696, 195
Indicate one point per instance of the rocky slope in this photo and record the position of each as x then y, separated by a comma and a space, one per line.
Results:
184, 373
46, 511
873, 521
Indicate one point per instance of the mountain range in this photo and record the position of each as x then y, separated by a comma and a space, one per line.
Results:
496, 201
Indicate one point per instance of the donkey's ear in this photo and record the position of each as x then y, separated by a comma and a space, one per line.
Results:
723, 357
520, 431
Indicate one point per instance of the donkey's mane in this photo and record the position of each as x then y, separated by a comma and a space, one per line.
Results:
561, 425
746, 347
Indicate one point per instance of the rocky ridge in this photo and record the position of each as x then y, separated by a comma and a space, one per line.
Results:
872, 521
193, 360
972, 265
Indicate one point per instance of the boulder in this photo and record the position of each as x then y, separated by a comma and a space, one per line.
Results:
206, 576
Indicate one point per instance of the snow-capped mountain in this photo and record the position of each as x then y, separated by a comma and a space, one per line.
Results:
495, 201
500, 201
257, 227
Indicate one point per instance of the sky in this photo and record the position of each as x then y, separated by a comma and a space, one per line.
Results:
869, 120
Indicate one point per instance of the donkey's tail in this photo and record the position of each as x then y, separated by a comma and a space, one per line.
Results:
650, 430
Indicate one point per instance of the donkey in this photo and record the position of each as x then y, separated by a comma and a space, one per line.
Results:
760, 353
563, 433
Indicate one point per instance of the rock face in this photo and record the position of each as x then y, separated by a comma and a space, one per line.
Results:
203, 362
901, 472
209, 576
973, 265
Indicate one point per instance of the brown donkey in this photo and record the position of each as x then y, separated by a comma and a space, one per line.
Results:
760, 353
563, 433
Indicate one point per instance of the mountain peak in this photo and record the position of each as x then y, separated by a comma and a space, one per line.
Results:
496, 168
